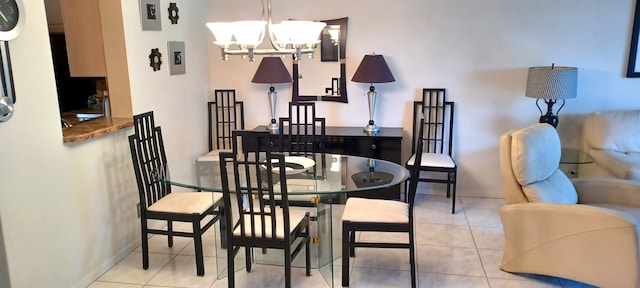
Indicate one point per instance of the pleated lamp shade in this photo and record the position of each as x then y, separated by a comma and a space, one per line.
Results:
554, 82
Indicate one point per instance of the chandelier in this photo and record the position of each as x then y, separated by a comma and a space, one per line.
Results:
293, 37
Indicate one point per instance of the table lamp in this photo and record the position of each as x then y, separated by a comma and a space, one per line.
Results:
271, 70
552, 83
372, 69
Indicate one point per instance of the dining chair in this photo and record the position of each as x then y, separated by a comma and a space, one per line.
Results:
302, 133
257, 182
225, 114
157, 202
438, 140
381, 215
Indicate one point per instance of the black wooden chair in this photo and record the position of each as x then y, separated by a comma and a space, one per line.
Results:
225, 115
380, 215
156, 200
252, 194
302, 133
438, 137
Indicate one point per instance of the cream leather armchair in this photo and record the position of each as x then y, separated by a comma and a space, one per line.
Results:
585, 230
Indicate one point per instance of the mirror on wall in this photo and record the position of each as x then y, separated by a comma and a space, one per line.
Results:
323, 77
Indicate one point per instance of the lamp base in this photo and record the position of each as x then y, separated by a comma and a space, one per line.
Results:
549, 119
273, 128
371, 129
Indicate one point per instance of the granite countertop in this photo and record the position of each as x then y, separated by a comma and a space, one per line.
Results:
84, 130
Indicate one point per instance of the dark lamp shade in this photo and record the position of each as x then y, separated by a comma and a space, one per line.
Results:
373, 69
271, 70
555, 82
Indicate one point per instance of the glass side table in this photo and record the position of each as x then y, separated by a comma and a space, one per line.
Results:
570, 158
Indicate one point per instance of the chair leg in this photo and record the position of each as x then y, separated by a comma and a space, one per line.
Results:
412, 258
170, 233
453, 179
197, 244
247, 257
287, 267
308, 252
345, 255
223, 228
352, 241
145, 245
230, 267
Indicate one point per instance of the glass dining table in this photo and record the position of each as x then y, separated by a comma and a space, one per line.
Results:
324, 186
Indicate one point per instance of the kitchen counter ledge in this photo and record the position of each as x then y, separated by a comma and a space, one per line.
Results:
81, 131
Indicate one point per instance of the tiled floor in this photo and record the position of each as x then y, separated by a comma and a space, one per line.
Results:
453, 250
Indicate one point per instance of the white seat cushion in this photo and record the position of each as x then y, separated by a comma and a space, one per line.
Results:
295, 217
433, 160
375, 210
186, 202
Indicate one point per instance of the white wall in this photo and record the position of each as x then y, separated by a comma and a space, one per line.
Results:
68, 211
478, 50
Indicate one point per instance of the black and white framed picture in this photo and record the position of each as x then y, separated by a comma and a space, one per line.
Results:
633, 69
150, 15
177, 60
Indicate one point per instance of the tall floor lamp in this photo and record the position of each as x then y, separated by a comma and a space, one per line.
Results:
270, 71
550, 84
372, 69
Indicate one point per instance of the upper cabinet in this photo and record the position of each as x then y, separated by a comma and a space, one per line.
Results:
83, 33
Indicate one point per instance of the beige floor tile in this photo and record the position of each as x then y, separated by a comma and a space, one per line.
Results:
488, 237
129, 270
181, 272
393, 259
158, 244
483, 217
449, 260
443, 235
379, 278
99, 284
510, 283
260, 276
433, 280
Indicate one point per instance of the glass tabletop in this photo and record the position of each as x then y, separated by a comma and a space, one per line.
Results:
574, 156
329, 173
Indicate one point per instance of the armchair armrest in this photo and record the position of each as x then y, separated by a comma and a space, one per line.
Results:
571, 241
607, 191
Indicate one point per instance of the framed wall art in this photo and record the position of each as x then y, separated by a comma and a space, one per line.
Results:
177, 58
633, 70
150, 15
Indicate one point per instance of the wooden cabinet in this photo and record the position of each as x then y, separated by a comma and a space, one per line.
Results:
386, 145
83, 32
